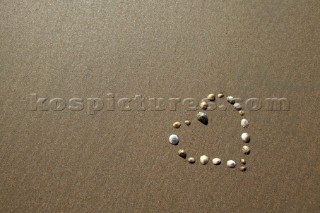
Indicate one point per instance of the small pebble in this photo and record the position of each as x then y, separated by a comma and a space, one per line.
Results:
187, 122
243, 168
216, 161
191, 160
244, 123
202, 117
246, 150
231, 163
204, 105
231, 100
243, 161
204, 159
237, 106
241, 112
211, 97
220, 95
245, 137
173, 139
182, 153
176, 124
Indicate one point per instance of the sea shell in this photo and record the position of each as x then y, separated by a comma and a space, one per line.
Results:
204, 159
231, 163
182, 153
243, 168
241, 112
211, 97
216, 161
246, 150
243, 161
245, 137
176, 124
173, 139
202, 117
237, 106
231, 100
191, 160
220, 95
187, 122
244, 123
204, 105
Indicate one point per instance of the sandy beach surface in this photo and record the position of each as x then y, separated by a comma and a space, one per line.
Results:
74, 136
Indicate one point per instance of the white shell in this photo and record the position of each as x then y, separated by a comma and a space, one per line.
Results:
204, 105
231, 163
243, 168
231, 100
191, 160
237, 106
173, 139
243, 161
245, 137
244, 123
204, 159
182, 153
245, 150
220, 95
216, 161
211, 97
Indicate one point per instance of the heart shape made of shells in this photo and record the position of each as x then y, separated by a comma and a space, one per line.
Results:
203, 118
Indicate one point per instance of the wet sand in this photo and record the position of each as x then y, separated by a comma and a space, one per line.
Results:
70, 160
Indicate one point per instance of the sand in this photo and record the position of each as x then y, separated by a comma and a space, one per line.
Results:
79, 156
